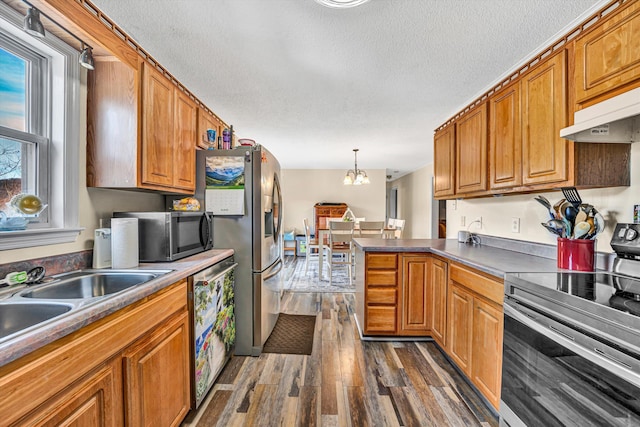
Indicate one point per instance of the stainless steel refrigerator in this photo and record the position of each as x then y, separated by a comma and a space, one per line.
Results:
241, 187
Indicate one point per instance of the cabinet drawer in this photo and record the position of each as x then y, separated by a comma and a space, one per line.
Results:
382, 261
380, 319
381, 296
488, 288
382, 278
323, 211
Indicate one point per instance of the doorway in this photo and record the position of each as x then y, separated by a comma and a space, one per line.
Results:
393, 203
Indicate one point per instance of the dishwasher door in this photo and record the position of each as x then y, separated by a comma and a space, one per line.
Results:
212, 313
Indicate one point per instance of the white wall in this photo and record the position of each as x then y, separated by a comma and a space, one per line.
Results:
415, 203
93, 203
615, 204
303, 188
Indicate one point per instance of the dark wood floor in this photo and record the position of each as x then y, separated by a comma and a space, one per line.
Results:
344, 382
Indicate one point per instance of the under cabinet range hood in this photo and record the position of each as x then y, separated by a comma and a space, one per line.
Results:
614, 120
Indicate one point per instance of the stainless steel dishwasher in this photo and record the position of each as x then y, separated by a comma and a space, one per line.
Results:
213, 328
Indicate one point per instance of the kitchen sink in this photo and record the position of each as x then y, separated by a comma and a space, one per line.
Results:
19, 316
91, 284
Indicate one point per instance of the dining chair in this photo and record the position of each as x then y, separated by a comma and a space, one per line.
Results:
391, 222
310, 245
371, 229
399, 225
340, 243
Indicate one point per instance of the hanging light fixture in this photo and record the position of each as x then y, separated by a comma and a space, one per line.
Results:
356, 176
86, 57
32, 23
341, 4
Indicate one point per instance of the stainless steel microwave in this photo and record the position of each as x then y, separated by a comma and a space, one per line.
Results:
168, 236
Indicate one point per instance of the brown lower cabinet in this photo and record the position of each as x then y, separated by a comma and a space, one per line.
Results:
417, 294
396, 294
129, 368
475, 326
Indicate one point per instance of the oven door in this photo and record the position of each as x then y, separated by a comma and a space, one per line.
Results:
551, 377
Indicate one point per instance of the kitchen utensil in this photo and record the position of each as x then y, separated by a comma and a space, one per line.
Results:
35, 275
580, 216
13, 278
568, 226
547, 204
570, 212
556, 208
598, 220
581, 229
555, 226
572, 196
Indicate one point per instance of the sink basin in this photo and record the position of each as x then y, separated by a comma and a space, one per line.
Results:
83, 285
16, 317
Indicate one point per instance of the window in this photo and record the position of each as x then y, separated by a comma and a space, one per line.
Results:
39, 120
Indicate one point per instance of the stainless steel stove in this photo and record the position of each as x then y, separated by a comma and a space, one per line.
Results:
572, 343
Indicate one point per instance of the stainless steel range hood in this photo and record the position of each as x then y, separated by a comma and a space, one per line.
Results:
614, 120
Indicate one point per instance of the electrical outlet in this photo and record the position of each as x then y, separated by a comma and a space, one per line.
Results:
463, 221
479, 221
515, 224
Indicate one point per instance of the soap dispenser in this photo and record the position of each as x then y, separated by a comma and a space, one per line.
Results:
102, 248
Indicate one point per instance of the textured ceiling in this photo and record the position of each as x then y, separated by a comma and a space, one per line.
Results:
311, 83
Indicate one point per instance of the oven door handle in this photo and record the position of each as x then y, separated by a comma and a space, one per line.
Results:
607, 362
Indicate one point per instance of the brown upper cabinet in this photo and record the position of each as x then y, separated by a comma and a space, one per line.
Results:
471, 151
142, 123
544, 113
141, 130
526, 112
505, 138
444, 154
207, 121
607, 58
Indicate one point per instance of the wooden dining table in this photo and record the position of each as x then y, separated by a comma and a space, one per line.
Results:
323, 234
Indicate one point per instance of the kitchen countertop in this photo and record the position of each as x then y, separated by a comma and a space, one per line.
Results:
42, 334
491, 260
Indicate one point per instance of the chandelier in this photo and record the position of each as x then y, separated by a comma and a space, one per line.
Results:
356, 176
341, 4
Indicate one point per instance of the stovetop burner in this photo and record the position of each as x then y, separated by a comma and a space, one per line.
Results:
603, 288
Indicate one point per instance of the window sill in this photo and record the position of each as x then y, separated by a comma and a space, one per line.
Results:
37, 237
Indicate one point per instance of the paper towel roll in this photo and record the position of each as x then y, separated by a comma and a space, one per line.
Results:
124, 242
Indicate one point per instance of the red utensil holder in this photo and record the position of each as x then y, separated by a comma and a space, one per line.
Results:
576, 254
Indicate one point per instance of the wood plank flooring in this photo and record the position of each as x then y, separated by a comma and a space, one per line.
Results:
344, 382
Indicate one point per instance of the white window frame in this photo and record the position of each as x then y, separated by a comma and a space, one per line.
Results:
60, 169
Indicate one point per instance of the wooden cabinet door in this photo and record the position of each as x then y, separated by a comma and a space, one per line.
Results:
438, 300
157, 128
608, 57
544, 111
444, 162
460, 321
415, 318
94, 400
505, 139
157, 384
184, 164
471, 151
487, 349
207, 121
